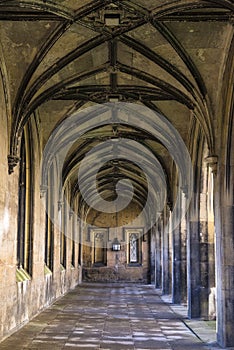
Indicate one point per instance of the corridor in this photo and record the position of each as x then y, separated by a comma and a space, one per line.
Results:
110, 316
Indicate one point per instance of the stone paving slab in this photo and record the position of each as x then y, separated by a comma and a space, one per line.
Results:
114, 317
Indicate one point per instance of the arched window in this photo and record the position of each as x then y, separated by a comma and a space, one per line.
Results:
133, 248
24, 234
49, 227
73, 239
134, 240
63, 235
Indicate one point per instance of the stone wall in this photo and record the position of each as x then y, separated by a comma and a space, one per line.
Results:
117, 265
136, 274
20, 300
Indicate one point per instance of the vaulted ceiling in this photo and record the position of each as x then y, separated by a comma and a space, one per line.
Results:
60, 57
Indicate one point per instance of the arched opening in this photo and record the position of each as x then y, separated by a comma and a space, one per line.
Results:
25, 207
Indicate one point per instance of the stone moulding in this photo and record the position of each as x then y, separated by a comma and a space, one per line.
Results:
12, 162
22, 275
212, 161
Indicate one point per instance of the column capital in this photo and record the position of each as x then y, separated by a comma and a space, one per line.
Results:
212, 161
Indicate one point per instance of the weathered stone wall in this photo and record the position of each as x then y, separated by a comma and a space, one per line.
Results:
118, 267
115, 274
20, 301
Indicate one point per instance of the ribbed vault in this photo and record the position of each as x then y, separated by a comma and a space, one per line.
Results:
156, 54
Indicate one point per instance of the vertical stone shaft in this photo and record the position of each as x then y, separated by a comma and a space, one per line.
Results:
193, 260
165, 255
158, 255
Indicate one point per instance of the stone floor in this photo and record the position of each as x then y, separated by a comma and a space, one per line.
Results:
111, 316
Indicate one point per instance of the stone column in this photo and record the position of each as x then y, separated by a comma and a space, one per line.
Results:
193, 259
152, 254
183, 247
158, 255
211, 246
204, 267
176, 251
224, 224
204, 244
170, 251
176, 265
165, 254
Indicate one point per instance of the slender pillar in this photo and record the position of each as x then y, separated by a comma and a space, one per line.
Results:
165, 255
152, 254
224, 224
204, 251
170, 252
158, 263
193, 259
176, 266
204, 268
176, 254
183, 247
204, 244
211, 247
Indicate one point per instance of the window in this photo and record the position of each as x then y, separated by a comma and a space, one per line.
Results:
49, 227
63, 241
24, 233
63, 232
133, 248
73, 238
80, 243
134, 251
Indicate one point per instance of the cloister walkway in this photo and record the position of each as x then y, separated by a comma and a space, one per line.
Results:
111, 316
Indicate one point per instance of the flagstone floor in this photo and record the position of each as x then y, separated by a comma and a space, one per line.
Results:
115, 317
